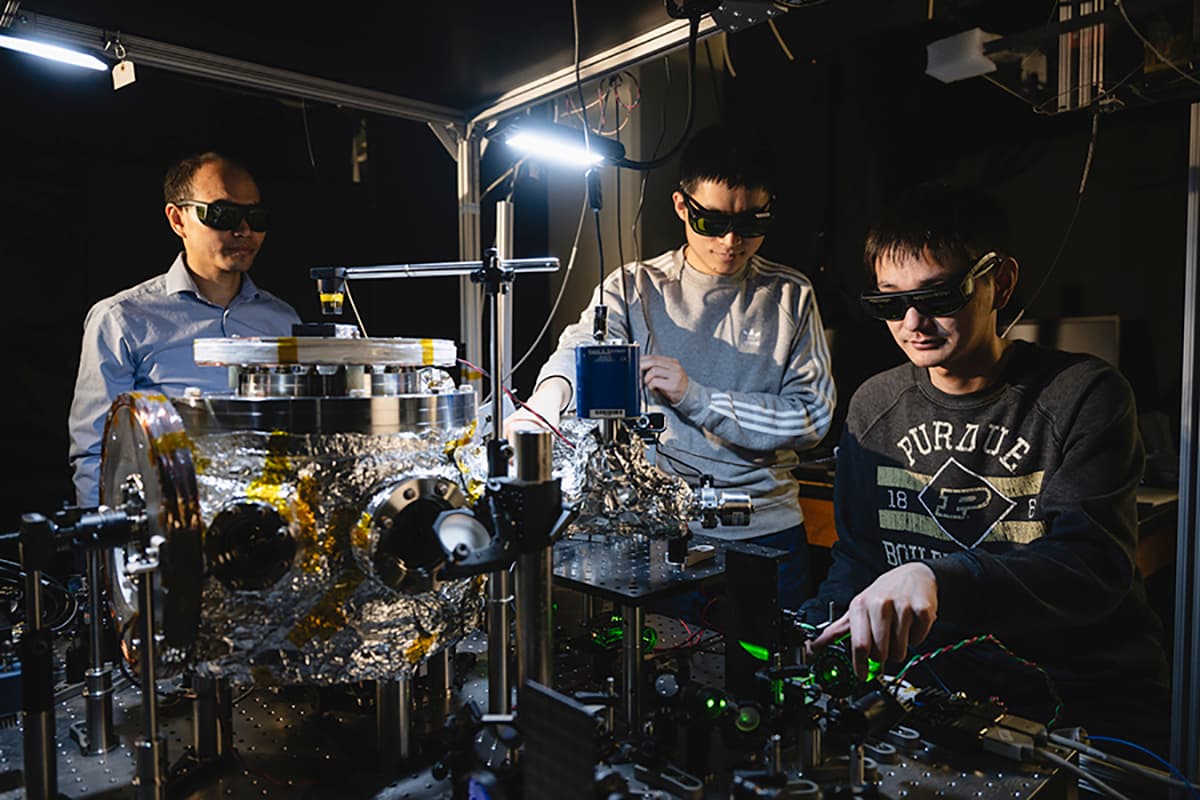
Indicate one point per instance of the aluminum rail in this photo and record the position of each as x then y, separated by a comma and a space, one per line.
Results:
140, 50
659, 41
438, 268
1185, 726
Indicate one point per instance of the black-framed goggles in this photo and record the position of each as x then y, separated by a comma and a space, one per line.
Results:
223, 215
748, 224
939, 300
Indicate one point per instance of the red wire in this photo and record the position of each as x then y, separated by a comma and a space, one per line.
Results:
693, 637
523, 405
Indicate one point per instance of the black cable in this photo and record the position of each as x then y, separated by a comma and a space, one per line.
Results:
578, 79
662, 133
599, 246
1087, 167
693, 35
621, 237
712, 71
591, 177
743, 463
558, 299
67, 607
674, 460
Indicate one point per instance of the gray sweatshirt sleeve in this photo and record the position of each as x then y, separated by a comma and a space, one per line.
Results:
797, 417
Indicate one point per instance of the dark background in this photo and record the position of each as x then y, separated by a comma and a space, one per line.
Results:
853, 116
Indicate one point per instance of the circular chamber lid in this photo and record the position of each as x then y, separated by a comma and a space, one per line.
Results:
449, 412
319, 350
147, 460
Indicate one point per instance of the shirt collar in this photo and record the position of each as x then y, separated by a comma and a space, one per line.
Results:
677, 262
180, 280
682, 266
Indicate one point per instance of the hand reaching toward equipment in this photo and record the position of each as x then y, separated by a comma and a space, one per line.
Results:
548, 401
894, 612
666, 376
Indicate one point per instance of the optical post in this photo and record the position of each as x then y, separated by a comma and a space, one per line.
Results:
494, 274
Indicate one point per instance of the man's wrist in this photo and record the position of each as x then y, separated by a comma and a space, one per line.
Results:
557, 391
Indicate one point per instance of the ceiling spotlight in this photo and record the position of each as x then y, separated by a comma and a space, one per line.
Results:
52, 52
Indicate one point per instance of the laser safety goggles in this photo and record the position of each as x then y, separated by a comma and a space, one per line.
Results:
939, 300
223, 215
748, 224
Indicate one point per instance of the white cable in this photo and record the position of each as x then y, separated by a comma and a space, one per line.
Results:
1153, 49
361, 328
1055, 758
1117, 761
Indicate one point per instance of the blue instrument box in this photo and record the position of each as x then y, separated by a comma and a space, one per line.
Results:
608, 381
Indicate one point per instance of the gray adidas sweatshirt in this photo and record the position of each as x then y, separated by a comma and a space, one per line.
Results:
760, 386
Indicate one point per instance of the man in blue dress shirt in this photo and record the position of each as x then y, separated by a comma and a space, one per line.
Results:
140, 339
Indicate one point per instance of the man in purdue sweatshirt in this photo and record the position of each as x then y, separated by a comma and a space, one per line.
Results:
987, 486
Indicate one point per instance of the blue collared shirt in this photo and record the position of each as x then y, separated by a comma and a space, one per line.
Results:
140, 339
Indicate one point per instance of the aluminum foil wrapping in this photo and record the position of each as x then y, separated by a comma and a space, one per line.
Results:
329, 619
617, 490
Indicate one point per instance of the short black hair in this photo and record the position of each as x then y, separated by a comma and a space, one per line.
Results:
735, 155
957, 224
177, 185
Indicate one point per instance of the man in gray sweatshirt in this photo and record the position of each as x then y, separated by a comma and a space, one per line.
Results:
733, 351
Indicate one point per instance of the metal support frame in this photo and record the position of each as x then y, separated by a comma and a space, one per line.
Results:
457, 130
184, 60
535, 573
447, 124
470, 299
506, 246
659, 41
439, 673
151, 746
38, 728
631, 673
500, 582
393, 720
95, 735
1185, 725
212, 718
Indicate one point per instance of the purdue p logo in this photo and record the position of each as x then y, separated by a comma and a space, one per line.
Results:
964, 505
957, 503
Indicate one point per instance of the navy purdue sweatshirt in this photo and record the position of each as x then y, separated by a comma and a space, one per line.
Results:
1021, 499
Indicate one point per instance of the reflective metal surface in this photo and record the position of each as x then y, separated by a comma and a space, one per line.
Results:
357, 594
147, 454
620, 493
318, 350
329, 415
320, 563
